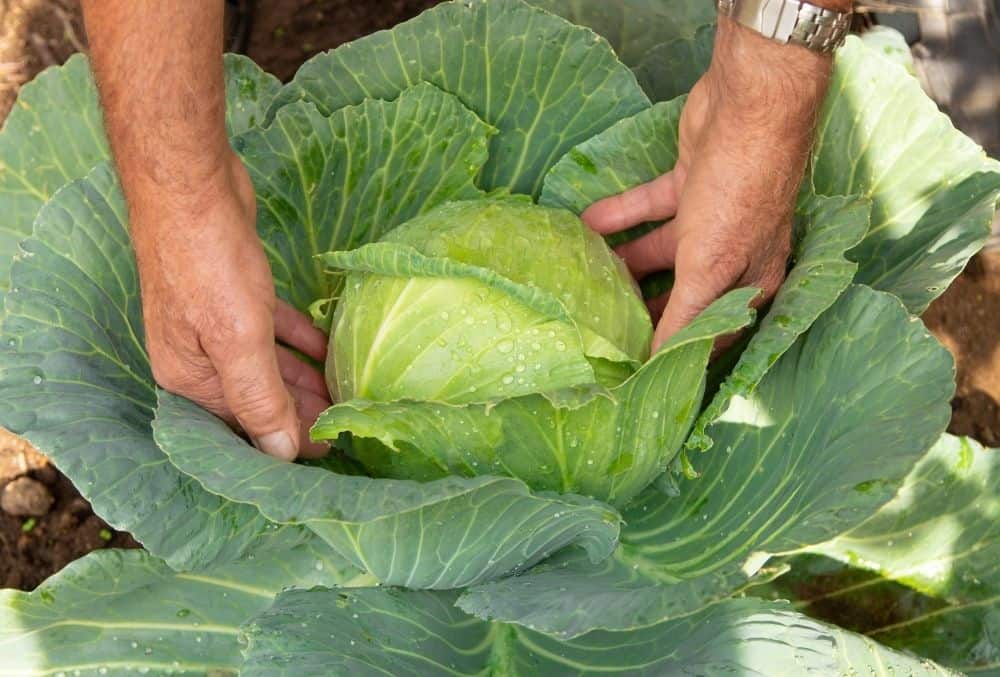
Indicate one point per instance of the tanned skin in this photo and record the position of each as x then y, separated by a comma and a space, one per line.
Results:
208, 298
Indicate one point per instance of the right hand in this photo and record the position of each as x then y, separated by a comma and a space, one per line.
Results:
212, 317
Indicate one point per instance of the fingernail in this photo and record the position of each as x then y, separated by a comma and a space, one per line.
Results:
278, 444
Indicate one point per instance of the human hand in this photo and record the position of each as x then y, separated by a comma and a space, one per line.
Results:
211, 315
744, 139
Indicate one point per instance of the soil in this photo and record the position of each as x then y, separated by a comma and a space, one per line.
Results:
284, 34
32, 548
35, 34
966, 319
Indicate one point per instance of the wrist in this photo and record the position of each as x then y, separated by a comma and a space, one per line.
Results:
754, 81
166, 193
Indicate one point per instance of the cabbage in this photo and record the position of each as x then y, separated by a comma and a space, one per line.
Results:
476, 303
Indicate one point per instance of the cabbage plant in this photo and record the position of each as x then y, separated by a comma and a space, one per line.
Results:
608, 511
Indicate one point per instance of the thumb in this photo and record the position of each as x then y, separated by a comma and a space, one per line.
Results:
257, 396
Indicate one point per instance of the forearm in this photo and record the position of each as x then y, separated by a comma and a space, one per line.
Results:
159, 72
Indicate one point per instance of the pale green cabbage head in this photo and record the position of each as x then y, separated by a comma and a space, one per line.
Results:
475, 305
508, 298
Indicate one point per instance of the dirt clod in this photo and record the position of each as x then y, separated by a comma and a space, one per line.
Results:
25, 497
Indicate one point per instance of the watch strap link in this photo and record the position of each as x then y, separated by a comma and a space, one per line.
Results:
791, 21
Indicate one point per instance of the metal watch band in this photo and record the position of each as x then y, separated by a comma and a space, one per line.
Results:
791, 21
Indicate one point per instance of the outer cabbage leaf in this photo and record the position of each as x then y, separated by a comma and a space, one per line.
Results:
75, 381
635, 27
444, 534
544, 83
932, 189
940, 538
609, 445
958, 635
126, 612
632, 151
331, 183
378, 631
249, 91
54, 135
824, 441
941, 533
671, 68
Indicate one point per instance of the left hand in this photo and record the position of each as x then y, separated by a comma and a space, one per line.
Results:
744, 138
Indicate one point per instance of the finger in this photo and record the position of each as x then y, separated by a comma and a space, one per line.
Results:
690, 295
296, 330
653, 201
298, 374
255, 392
652, 252
309, 407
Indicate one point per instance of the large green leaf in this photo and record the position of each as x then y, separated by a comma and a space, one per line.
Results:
332, 183
249, 92
822, 443
635, 27
544, 83
634, 150
126, 612
609, 445
932, 189
959, 635
75, 381
939, 536
395, 632
444, 534
941, 533
671, 68
54, 135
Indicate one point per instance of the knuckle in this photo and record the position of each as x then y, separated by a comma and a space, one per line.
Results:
237, 336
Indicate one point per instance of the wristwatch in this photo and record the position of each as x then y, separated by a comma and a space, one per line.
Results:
791, 21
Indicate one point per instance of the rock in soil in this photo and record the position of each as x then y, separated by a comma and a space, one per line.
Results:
17, 457
25, 497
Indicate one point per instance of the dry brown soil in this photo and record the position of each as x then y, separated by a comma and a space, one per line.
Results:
38, 33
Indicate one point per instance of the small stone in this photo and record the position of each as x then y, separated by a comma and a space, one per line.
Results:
25, 497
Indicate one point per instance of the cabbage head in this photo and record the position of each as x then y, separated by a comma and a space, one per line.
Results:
472, 305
